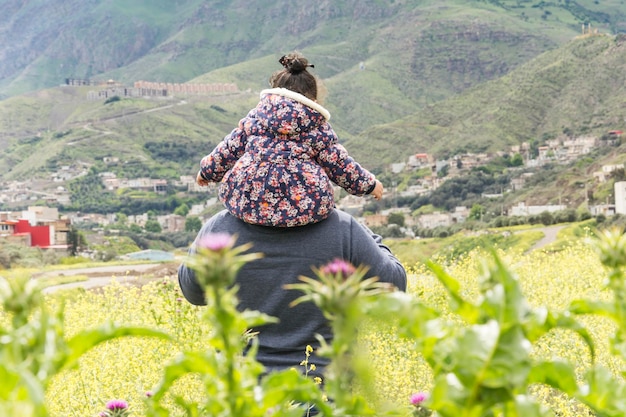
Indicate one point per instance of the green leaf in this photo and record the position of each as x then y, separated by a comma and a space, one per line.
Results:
448, 395
187, 363
557, 374
600, 308
473, 351
85, 340
256, 319
487, 357
524, 406
502, 296
289, 385
412, 316
604, 393
468, 311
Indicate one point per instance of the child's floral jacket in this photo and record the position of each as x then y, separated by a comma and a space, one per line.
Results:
276, 167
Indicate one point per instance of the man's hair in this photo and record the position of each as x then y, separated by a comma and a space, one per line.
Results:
294, 76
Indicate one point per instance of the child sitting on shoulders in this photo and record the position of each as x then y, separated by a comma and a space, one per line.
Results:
276, 167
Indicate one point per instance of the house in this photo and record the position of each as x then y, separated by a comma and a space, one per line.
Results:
545, 152
607, 170
45, 228
460, 214
579, 146
38, 235
7, 227
420, 160
172, 222
523, 210
45, 235
374, 220
398, 167
436, 219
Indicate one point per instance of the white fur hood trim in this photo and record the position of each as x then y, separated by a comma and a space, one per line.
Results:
299, 98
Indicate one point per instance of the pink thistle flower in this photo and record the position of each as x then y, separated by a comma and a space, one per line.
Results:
216, 242
149, 394
418, 398
339, 266
115, 408
117, 405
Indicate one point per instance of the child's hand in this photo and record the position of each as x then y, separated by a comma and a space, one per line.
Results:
201, 181
378, 190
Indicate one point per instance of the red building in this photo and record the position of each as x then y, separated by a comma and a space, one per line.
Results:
48, 234
41, 236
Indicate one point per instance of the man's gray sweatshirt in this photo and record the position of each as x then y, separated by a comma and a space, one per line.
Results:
289, 253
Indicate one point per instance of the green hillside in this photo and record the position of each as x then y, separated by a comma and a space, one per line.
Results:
578, 89
151, 138
450, 44
441, 77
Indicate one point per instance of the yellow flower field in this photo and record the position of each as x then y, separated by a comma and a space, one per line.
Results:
128, 368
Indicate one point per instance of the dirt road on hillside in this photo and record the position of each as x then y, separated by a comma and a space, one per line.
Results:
140, 274
549, 235
101, 276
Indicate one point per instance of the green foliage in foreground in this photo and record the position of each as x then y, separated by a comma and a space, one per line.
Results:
482, 346
34, 347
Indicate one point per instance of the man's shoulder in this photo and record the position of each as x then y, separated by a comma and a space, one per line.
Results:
222, 221
226, 222
339, 219
342, 215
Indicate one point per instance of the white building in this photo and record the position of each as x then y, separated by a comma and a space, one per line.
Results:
620, 197
523, 210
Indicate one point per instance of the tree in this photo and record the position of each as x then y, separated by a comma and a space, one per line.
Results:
182, 210
546, 218
476, 212
396, 218
153, 226
388, 231
565, 216
517, 160
193, 224
121, 219
76, 240
112, 99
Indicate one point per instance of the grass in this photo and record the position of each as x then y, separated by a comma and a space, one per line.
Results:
127, 369
522, 238
60, 280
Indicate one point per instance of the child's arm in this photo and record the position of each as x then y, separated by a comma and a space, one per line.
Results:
215, 165
342, 169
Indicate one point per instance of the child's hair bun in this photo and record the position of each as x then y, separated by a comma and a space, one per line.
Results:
294, 63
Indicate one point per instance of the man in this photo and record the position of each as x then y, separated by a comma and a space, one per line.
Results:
288, 253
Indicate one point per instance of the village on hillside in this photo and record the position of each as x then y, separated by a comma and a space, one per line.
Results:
45, 227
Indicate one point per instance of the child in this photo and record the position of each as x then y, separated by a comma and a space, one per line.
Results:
277, 165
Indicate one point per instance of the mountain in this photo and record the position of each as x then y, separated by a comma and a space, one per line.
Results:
578, 89
443, 46
403, 76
